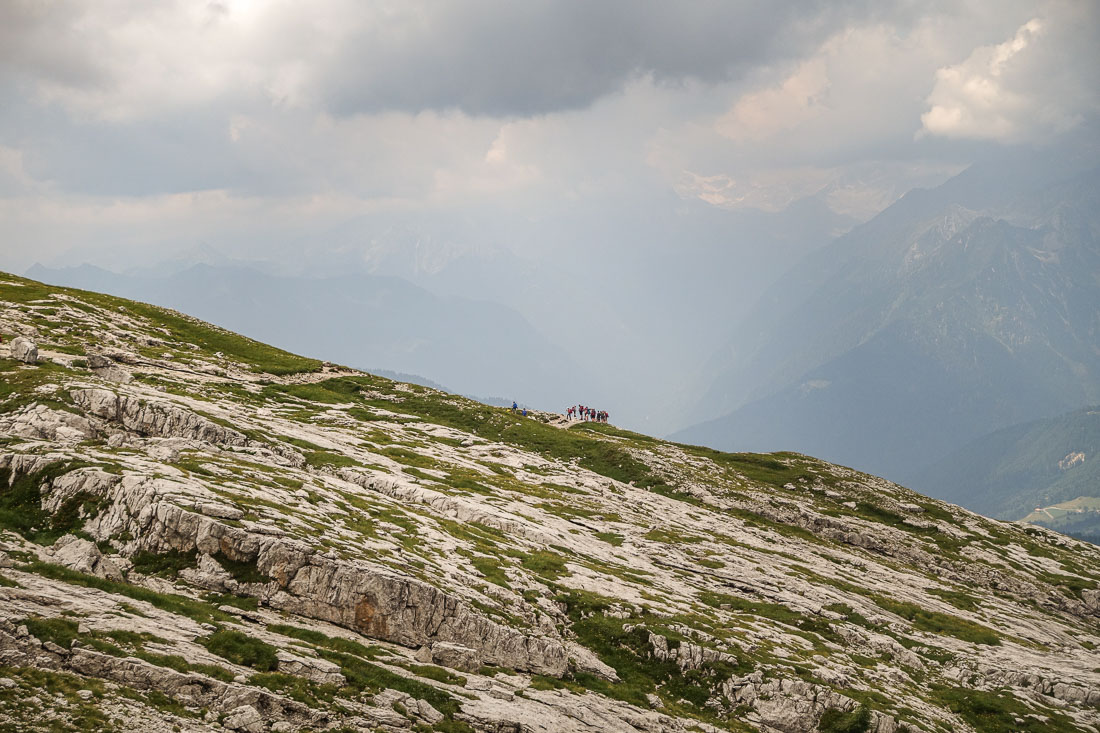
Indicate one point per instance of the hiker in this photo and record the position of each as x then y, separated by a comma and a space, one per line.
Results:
525, 412
514, 406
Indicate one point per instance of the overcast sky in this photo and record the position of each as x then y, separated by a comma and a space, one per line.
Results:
127, 124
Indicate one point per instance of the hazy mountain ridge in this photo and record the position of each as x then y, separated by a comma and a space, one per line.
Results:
473, 346
1009, 473
199, 530
997, 322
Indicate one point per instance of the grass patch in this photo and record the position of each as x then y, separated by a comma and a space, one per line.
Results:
940, 623
546, 564
774, 612
407, 457
21, 505
363, 676
60, 631
956, 598
245, 603
198, 610
329, 459
839, 721
336, 644
240, 648
630, 654
439, 674
243, 571
612, 538
672, 537
296, 688
999, 712
165, 564
490, 567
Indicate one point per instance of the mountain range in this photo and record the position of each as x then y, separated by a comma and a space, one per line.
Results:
955, 312
474, 346
1018, 472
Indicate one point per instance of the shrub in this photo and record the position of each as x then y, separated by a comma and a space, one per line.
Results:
853, 721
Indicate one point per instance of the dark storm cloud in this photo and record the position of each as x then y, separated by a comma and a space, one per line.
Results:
501, 58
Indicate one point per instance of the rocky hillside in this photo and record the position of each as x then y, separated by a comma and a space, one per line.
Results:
200, 532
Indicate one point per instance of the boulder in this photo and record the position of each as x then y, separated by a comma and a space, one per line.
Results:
456, 656
24, 350
84, 557
320, 671
99, 361
245, 718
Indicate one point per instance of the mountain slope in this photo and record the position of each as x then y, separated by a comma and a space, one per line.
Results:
1036, 464
475, 347
202, 531
997, 308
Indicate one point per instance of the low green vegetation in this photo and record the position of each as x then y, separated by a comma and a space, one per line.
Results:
21, 505
164, 564
243, 571
240, 648
672, 537
490, 568
362, 676
200, 611
70, 711
546, 564
940, 623
329, 459
774, 612
18, 382
64, 631
336, 644
629, 652
957, 598
612, 538
1000, 712
60, 631
296, 688
839, 721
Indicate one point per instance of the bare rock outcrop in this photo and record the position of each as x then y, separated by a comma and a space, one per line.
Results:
21, 464
84, 557
373, 601
81, 482
156, 419
318, 670
39, 422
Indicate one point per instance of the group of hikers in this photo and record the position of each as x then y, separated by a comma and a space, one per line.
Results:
576, 412
588, 414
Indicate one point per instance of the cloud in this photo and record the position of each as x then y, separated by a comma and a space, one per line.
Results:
121, 59
777, 110
501, 58
526, 108
1041, 82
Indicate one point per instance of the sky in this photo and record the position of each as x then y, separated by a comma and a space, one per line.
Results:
131, 130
